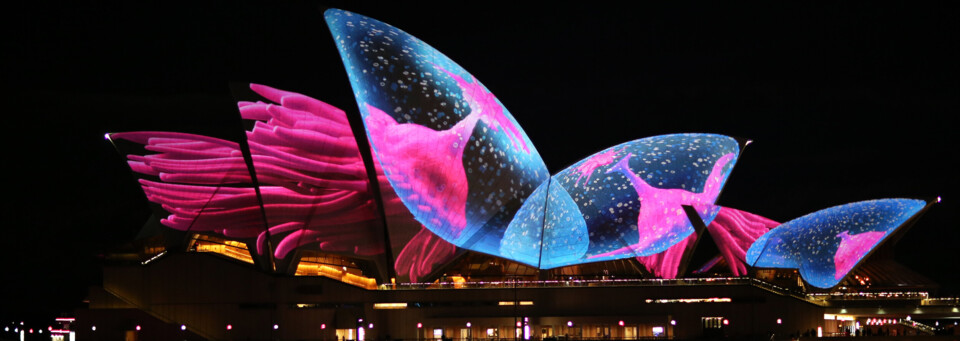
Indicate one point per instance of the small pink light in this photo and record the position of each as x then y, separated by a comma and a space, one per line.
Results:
138, 327
419, 325
229, 327
569, 323
31, 330
323, 326
93, 328
469, 325
276, 326
49, 328
620, 323
183, 327
673, 322
370, 326
726, 322
518, 324
779, 321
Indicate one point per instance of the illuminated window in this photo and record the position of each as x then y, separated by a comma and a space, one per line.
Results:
389, 306
630, 332
691, 300
335, 267
712, 322
224, 247
345, 334
512, 303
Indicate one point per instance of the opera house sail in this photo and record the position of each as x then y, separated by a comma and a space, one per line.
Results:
453, 178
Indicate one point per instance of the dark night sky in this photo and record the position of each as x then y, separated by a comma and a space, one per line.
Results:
845, 102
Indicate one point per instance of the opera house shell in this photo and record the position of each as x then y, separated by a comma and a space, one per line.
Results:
442, 221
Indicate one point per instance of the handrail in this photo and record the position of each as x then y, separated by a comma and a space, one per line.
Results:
506, 284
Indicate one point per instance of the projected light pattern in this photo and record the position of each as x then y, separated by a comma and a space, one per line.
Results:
421, 254
192, 177
455, 156
587, 167
827, 244
548, 230
734, 231
417, 252
566, 236
523, 238
632, 200
852, 249
462, 166
454, 169
305, 154
666, 264
312, 181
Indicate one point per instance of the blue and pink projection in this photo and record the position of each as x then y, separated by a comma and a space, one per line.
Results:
456, 170
626, 201
826, 245
460, 163
454, 155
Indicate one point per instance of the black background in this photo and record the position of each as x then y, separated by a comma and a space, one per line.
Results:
845, 102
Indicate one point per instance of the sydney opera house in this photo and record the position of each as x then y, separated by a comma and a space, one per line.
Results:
444, 222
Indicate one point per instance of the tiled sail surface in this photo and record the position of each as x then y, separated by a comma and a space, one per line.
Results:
312, 181
312, 178
455, 156
631, 195
198, 184
826, 245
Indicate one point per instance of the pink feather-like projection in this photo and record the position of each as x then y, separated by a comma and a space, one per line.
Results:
734, 231
313, 182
